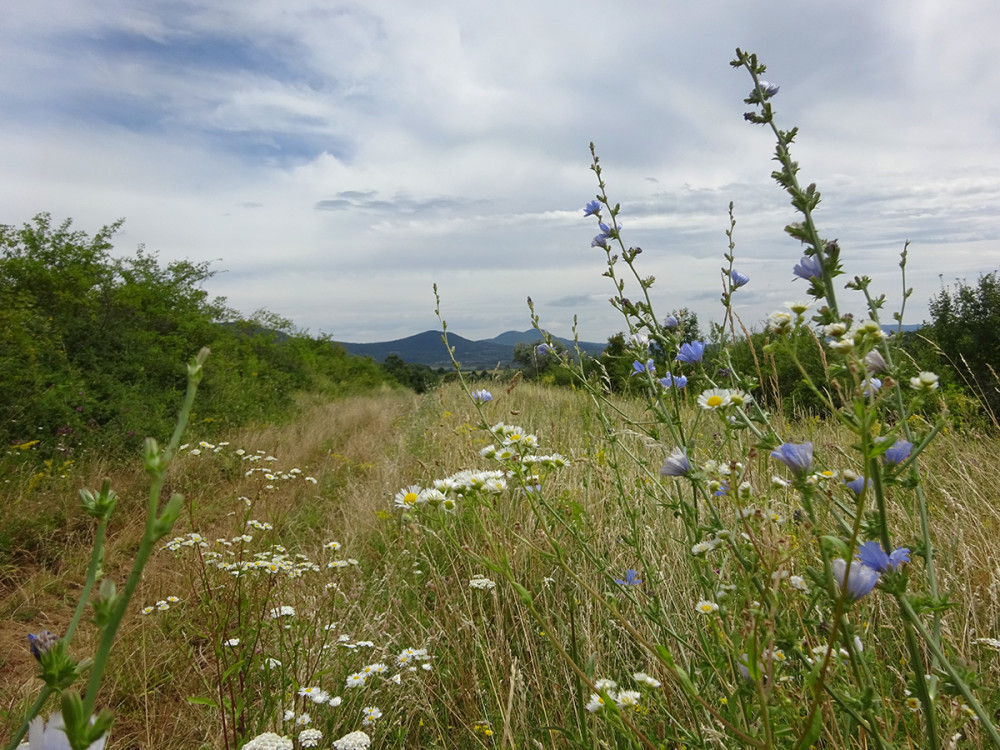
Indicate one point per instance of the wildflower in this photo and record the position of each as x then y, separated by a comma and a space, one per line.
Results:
408, 496
628, 698
691, 352
798, 307
810, 267
872, 555
146, 610
779, 322
269, 741
592, 209
639, 340
798, 583
41, 643
371, 714
282, 611
875, 362
676, 464
870, 385
595, 704
858, 485
638, 367
796, 456
234, 642
645, 679
675, 381
303, 720
310, 737
989, 643
714, 398
701, 548
605, 684
706, 607
631, 578
671, 322
738, 279
482, 396
542, 349
353, 741
355, 680
912, 702
925, 382
860, 581
482, 583
898, 453
767, 90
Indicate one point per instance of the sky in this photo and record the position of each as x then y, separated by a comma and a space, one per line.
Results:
333, 161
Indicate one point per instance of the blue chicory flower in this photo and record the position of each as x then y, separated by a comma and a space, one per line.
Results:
898, 453
671, 321
871, 385
738, 279
631, 578
796, 456
692, 352
808, 268
676, 381
482, 396
860, 580
638, 367
872, 555
858, 485
542, 349
767, 89
593, 208
676, 464
41, 643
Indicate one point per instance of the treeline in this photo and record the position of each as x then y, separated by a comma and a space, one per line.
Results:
93, 347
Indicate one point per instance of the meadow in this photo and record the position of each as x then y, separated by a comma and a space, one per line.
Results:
512, 564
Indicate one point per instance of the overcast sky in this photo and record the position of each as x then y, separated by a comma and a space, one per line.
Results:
334, 160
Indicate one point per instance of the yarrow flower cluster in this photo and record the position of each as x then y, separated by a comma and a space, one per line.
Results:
269, 741
353, 741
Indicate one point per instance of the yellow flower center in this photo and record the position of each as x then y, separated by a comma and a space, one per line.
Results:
410, 498
714, 401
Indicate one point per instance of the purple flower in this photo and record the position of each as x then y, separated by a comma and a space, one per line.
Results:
676, 464
600, 240
677, 381
871, 385
692, 352
723, 490
767, 90
631, 578
671, 321
41, 643
860, 580
796, 456
808, 268
482, 396
638, 367
898, 453
858, 485
593, 208
542, 349
738, 279
872, 555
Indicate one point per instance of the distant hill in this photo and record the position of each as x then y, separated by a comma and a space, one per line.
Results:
427, 349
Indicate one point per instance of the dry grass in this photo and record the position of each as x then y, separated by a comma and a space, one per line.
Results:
492, 662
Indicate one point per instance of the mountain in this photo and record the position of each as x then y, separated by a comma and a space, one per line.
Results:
427, 349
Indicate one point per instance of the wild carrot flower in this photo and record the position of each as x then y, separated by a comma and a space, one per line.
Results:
860, 580
898, 453
631, 578
872, 555
353, 741
796, 456
482, 583
676, 464
691, 353
810, 267
310, 737
269, 741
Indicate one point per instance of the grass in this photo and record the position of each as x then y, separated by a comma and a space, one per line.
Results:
496, 676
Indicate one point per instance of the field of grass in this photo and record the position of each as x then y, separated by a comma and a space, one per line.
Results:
498, 667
